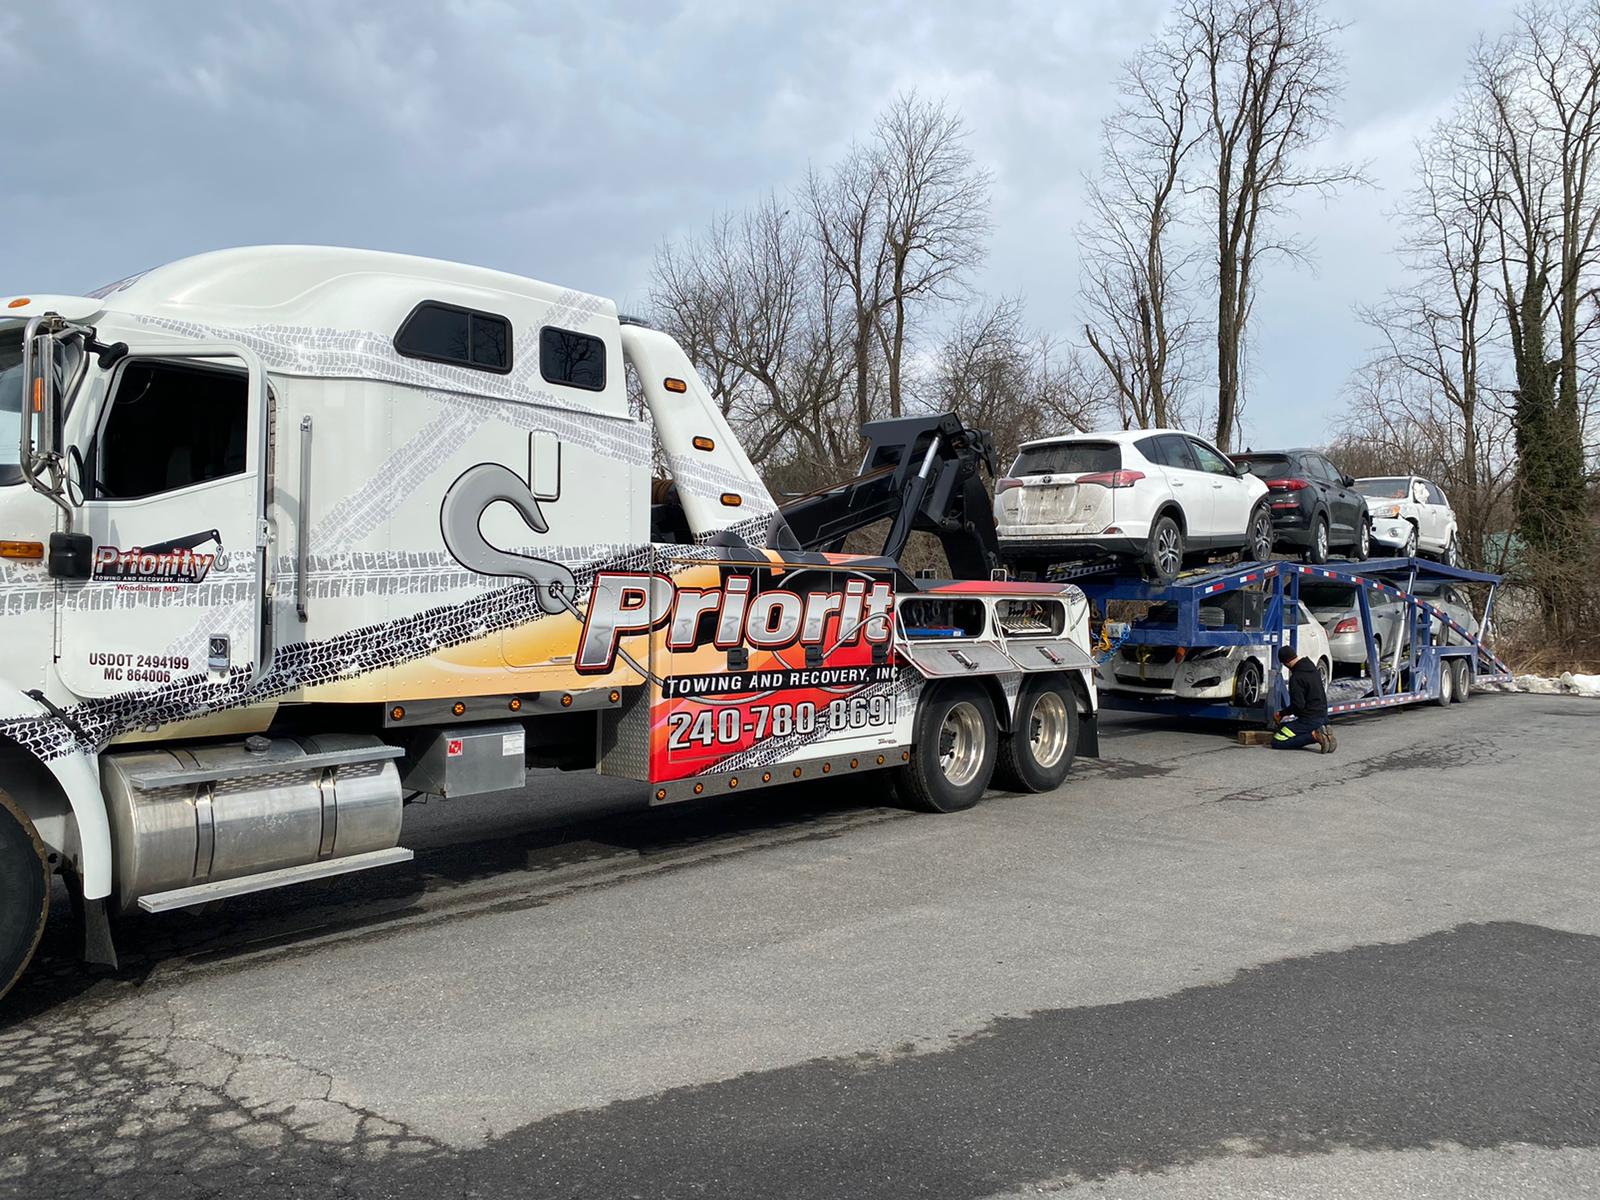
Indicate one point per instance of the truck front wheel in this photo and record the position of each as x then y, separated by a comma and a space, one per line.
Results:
1037, 754
953, 750
24, 891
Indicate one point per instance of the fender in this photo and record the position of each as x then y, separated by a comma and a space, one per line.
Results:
78, 774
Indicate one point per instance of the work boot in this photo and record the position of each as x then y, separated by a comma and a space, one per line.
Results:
1326, 740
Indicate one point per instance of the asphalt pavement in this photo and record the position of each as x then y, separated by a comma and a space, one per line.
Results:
1196, 970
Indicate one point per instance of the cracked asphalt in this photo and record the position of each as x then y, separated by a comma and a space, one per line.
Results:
1196, 970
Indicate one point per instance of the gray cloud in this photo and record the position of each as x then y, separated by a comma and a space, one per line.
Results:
565, 141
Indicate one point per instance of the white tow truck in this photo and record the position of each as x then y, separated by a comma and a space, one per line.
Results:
290, 536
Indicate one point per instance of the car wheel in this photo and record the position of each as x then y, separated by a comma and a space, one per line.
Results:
1037, 754
1317, 551
1451, 553
1249, 685
1164, 555
1364, 542
1258, 544
1409, 550
1325, 669
24, 891
953, 751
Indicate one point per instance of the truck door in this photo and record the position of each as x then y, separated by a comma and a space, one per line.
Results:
174, 486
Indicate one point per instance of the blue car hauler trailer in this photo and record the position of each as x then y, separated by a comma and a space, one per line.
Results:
1439, 660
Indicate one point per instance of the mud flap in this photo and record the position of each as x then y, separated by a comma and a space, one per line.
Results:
1089, 735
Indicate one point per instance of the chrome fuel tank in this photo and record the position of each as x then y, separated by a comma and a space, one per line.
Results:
184, 815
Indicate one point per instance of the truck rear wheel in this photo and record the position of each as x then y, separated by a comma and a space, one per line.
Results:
1037, 754
953, 750
24, 891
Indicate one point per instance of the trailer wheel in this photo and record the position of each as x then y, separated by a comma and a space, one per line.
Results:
952, 752
1463, 680
1447, 683
24, 891
1037, 754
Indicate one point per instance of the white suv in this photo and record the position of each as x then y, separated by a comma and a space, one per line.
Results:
1152, 495
1411, 513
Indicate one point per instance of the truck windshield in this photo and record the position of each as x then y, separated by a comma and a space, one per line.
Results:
10, 404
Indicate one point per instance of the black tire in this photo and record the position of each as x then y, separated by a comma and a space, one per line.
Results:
1249, 685
1447, 684
24, 891
941, 776
1258, 535
1409, 550
1317, 548
1038, 752
1163, 555
1463, 680
1451, 552
1362, 550
1325, 669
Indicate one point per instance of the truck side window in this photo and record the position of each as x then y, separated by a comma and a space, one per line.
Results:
448, 333
572, 359
171, 426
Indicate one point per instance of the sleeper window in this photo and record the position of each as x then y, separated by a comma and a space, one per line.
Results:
171, 426
448, 333
572, 359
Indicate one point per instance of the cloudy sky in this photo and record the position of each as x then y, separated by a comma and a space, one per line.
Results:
566, 140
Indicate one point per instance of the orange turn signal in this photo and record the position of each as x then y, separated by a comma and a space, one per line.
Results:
704, 443
674, 385
397, 713
20, 302
458, 708
732, 499
30, 550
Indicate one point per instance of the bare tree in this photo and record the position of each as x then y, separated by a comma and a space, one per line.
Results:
1267, 77
1138, 323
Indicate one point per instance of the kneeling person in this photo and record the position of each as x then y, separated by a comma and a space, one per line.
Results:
1305, 721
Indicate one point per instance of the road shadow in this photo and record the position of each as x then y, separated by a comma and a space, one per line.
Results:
1480, 1036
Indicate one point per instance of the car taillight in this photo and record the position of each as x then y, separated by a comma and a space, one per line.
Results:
1348, 625
1113, 479
1286, 485
1005, 485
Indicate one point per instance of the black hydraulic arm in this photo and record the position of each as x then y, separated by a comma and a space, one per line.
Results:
919, 473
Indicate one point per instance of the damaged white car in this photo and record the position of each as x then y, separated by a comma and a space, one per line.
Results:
1225, 674
1411, 514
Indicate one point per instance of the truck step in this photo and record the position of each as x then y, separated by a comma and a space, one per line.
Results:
223, 889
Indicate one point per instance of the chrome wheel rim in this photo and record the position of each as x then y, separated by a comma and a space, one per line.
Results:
1322, 539
1168, 557
1366, 539
1047, 729
1326, 671
1411, 542
961, 742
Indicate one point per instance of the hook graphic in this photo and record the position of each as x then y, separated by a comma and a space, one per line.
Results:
468, 498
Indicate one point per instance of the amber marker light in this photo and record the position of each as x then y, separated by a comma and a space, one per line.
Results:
797, 772
458, 708
766, 777
704, 443
566, 700
25, 550
615, 695
826, 767
515, 705
853, 764
674, 385
698, 788
661, 793
734, 782
397, 713
905, 756
732, 499
20, 302
880, 760
38, 395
